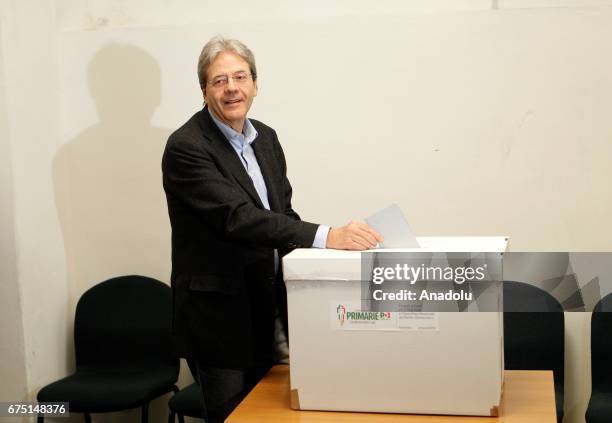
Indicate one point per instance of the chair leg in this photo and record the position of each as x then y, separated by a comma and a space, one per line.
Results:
171, 417
145, 413
87, 418
181, 418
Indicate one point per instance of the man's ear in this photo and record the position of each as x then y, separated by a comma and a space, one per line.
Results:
255, 83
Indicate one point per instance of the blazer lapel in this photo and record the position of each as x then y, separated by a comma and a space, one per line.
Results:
267, 164
228, 156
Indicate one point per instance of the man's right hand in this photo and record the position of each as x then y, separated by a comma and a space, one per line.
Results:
353, 236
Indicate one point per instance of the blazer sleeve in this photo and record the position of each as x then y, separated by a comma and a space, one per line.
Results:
191, 176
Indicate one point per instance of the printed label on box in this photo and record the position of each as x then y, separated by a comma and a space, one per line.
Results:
418, 321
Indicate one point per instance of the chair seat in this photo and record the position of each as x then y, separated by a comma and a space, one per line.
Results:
188, 401
106, 391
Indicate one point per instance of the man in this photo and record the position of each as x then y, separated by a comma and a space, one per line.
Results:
229, 203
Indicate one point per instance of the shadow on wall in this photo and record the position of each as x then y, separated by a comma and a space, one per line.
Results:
107, 179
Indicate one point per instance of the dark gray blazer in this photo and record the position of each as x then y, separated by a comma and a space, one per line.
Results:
223, 278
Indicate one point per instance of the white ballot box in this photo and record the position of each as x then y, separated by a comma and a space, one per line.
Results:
420, 362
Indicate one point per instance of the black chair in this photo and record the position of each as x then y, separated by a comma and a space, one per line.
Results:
188, 401
600, 404
534, 333
123, 349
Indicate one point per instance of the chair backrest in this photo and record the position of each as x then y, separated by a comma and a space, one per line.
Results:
122, 321
601, 342
534, 330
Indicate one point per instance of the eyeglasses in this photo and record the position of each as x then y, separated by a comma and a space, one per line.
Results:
239, 78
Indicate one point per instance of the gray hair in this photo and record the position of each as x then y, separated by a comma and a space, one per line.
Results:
218, 45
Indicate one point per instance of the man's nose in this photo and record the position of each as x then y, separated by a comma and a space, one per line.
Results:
231, 84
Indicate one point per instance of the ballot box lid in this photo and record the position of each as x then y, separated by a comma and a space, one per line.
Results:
312, 264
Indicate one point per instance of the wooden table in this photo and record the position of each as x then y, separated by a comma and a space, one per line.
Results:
529, 397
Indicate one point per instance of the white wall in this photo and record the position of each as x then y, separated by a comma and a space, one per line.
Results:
37, 280
477, 117
12, 365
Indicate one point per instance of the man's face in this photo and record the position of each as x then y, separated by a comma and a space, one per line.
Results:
230, 101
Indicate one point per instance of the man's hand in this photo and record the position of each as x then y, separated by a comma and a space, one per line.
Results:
353, 236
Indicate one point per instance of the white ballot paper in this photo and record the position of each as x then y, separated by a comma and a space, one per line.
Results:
392, 225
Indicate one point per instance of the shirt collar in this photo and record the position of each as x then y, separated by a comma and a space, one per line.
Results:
249, 133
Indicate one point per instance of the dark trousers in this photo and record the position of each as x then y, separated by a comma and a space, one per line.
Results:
223, 389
